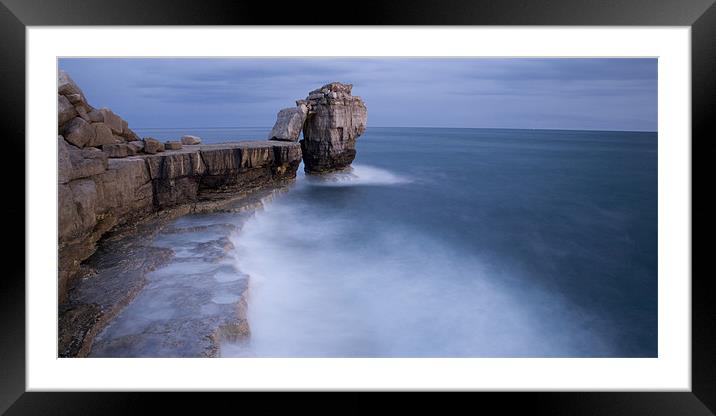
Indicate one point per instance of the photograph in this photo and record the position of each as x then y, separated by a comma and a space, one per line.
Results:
357, 207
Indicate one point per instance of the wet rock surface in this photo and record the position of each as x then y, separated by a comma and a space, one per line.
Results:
167, 288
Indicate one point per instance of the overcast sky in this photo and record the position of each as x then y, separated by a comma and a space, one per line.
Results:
591, 94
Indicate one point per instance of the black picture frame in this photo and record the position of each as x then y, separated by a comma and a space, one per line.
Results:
15, 15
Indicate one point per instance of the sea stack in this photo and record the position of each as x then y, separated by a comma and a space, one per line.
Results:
334, 122
331, 120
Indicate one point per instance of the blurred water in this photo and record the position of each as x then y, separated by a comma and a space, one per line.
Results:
459, 242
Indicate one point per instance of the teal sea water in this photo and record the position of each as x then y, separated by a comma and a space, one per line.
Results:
458, 243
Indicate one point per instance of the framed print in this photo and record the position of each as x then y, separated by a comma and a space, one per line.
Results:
462, 197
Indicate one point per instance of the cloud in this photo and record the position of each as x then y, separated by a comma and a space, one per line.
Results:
582, 93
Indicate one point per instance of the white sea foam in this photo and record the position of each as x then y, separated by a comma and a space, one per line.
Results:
358, 175
399, 294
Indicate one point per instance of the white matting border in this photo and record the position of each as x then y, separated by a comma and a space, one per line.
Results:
670, 371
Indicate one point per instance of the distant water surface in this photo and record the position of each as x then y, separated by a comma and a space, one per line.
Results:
457, 243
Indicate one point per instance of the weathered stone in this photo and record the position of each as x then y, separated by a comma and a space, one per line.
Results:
64, 164
75, 98
170, 145
124, 189
81, 112
84, 197
102, 135
334, 122
95, 116
152, 146
86, 162
65, 110
189, 140
289, 123
112, 120
67, 87
118, 150
138, 145
78, 132
175, 165
129, 135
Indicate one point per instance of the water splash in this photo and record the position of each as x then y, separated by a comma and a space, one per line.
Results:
357, 175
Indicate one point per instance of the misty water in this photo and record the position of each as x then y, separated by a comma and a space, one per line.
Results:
453, 243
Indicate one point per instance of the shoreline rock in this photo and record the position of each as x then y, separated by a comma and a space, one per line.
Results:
331, 120
108, 176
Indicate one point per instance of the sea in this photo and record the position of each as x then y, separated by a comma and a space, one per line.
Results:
439, 242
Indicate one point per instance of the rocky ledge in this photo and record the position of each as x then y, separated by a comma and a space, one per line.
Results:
97, 193
108, 176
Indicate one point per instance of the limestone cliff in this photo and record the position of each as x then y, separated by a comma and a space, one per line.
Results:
107, 176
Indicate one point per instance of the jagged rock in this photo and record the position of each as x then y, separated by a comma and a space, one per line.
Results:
75, 98
102, 135
289, 123
152, 146
78, 132
75, 163
95, 116
65, 110
130, 135
170, 145
138, 145
67, 87
189, 140
112, 120
101, 189
64, 164
81, 112
118, 150
335, 120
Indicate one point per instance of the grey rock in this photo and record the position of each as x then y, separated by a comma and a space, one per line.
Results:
102, 135
138, 145
81, 112
152, 146
118, 150
86, 162
172, 145
75, 98
78, 132
334, 122
67, 87
289, 123
64, 164
190, 140
129, 135
112, 120
95, 116
65, 110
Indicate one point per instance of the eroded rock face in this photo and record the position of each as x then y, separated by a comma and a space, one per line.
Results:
289, 123
335, 120
108, 176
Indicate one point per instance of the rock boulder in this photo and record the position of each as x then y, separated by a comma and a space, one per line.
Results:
335, 120
289, 123
190, 140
